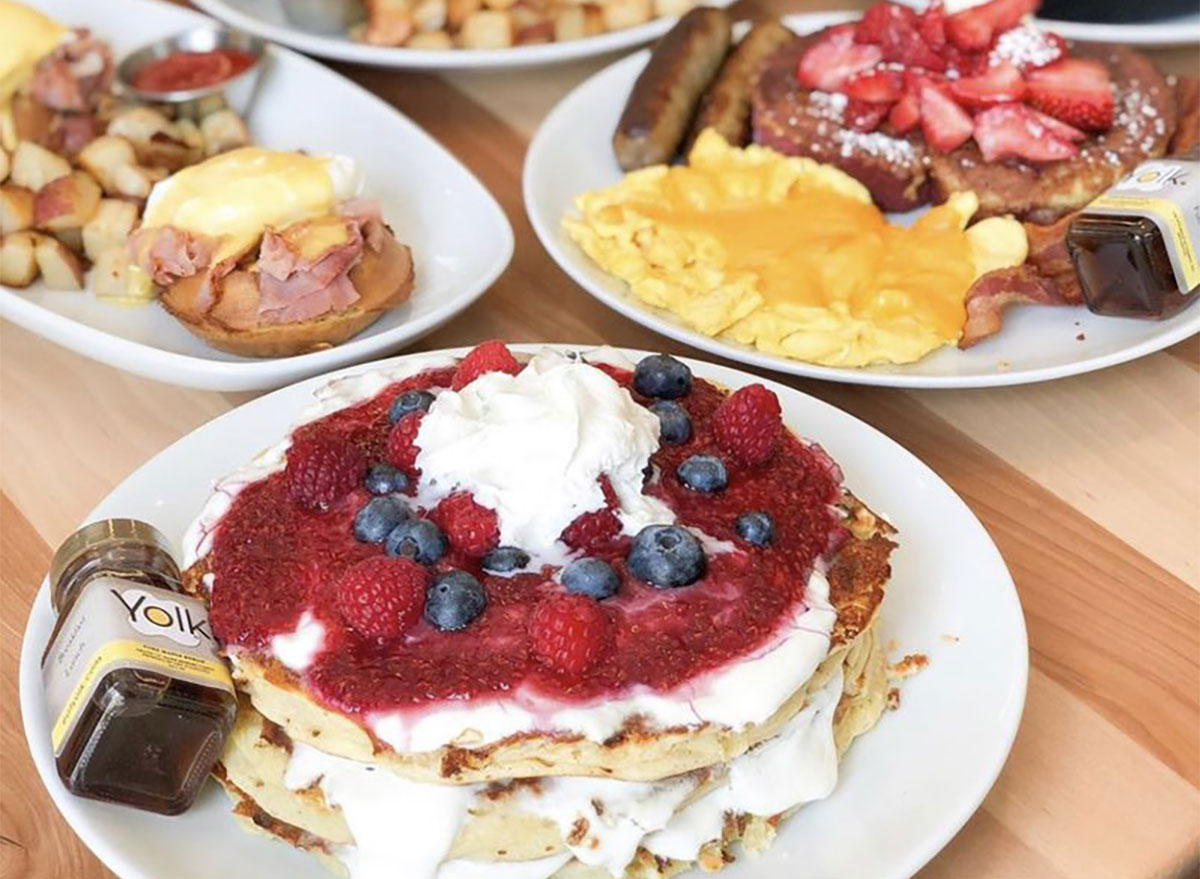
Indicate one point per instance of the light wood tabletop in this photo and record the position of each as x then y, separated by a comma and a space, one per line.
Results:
1089, 485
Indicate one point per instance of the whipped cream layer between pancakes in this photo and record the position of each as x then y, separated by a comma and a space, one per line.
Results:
405, 828
580, 417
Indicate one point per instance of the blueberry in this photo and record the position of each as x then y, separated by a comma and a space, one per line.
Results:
417, 539
703, 473
592, 577
505, 559
662, 376
675, 423
409, 401
375, 521
755, 527
382, 479
667, 556
453, 600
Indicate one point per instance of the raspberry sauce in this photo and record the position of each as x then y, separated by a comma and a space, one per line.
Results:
273, 560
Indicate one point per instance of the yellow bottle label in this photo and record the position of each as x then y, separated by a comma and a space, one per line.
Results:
1170, 219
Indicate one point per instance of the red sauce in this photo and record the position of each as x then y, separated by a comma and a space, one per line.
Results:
273, 560
183, 71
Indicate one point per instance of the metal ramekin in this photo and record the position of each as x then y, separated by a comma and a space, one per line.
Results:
325, 16
238, 92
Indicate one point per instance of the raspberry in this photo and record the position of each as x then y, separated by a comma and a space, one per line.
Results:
320, 473
591, 531
471, 527
569, 633
492, 356
382, 597
746, 425
402, 443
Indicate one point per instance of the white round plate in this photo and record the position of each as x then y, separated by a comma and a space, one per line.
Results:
266, 18
572, 152
460, 238
906, 787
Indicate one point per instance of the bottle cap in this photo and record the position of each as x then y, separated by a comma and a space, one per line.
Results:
107, 540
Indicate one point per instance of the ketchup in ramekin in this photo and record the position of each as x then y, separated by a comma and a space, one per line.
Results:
185, 71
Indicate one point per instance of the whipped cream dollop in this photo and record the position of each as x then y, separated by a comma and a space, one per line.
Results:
406, 828
533, 447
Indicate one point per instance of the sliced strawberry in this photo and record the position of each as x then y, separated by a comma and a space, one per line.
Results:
1011, 130
1058, 129
864, 116
905, 113
879, 86
1027, 48
932, 26
945, 124
880, 19
895, 29
1001, 84
835, 59
976, 27
1073, 90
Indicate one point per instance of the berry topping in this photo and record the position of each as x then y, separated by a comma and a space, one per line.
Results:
375, 521
569, 633
755, 527
402, 443
876, 86
976, 27
944, 123
703, 473
416, 539
590, 531
1013, 130
906, 112
470, 527
594, 578
1075, 91
505, 560
382, 479
382, 597
662, 376
454, 600
667, 556
747, 425
897, 31
492, 356
410, 401
321, 472
675, 425
863, 116
835, 59
1000, 84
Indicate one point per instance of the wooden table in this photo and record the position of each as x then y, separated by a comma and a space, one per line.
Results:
1090, 486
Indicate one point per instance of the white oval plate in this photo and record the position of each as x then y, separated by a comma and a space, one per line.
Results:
460, 238
571, 152
907, 786
266, 19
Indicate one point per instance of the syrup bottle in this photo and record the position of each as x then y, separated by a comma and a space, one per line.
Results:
1136, 248
140, 703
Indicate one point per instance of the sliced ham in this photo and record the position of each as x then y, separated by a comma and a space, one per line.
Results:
168, 254
365, 212
293, 288
993, 292
73, 76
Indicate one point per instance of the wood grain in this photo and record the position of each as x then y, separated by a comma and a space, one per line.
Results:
1090, 487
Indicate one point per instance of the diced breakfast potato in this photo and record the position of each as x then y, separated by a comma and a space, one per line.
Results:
103, 156
619, 14
16, 209
18, 263
487, 29
429, 16
133, 182
61, 269
672, 7
157, 141
66, 203
139, 123
223, 130
457, 11
5, 164
569, 23
500, 4
34, 166
390, 23
593, 21
73, 238
531, 25
109, 227
189, 133
32, 120
431, 40
110, 273
210, 104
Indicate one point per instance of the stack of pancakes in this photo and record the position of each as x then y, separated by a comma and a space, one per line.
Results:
536, 805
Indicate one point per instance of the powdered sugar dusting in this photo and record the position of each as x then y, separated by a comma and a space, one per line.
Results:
891, 149
1024, 46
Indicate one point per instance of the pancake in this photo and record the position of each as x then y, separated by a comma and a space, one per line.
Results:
857, 577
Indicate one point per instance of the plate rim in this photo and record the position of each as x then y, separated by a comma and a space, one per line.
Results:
397, 57
239, 375
29, 675
669, 326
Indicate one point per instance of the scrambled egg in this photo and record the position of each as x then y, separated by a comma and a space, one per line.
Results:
791, 256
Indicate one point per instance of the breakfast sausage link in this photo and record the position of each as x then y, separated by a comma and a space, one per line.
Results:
726, 105
664, 97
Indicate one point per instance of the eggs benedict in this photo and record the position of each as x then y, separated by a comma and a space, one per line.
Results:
269, 253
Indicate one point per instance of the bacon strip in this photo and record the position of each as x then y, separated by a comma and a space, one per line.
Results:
1048, 255
993, 292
